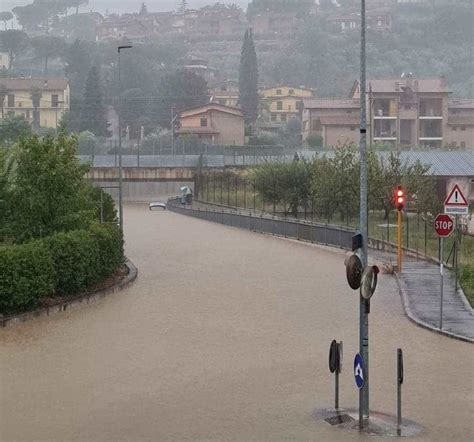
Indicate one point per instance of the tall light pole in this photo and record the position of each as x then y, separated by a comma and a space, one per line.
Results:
119, 49
364, 230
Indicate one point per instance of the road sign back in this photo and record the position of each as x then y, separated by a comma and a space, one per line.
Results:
456, 198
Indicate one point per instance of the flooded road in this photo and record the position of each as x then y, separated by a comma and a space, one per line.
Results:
224, 336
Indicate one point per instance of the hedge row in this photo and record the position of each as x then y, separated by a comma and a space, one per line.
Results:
60, 265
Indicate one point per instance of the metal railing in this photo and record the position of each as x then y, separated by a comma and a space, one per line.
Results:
329, 235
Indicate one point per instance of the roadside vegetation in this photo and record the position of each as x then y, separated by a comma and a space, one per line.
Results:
52, 244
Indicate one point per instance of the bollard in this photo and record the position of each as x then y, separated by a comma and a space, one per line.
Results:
399, 390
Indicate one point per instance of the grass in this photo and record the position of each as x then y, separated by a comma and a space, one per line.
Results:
418, 235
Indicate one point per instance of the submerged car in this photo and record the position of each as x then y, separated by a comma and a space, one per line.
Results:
157, 206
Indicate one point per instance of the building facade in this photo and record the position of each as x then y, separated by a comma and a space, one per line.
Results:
401, 112
54, 102
279, 104
4, 61
226, 93
213, 123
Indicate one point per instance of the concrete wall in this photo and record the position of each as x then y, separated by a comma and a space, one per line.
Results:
334, 135
230, 127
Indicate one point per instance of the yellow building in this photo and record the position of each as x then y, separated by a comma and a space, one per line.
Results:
281, 103
54, 102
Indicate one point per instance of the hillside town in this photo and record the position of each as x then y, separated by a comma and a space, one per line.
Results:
217, 217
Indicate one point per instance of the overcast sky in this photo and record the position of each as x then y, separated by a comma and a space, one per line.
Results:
128, 5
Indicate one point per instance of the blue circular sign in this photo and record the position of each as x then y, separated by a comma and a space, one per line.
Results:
359, 371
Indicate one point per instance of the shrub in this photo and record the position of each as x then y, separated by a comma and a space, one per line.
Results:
27, 275
76, 261
110, 243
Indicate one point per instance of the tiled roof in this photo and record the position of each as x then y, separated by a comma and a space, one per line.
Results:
54, 84
331, 103
212, 106
340, 120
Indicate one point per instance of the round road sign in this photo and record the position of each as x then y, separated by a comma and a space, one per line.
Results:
359, 371
443, 225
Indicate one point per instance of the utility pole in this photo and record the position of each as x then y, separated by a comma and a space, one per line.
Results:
363, 303
119, 49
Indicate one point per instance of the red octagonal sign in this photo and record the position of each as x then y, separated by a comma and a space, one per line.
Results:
444, 225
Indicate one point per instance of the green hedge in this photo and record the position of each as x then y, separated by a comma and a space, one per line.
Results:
27, 274
60, 265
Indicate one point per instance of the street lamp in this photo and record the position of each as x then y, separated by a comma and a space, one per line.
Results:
119, 49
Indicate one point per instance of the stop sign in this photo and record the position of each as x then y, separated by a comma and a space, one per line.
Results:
443, 225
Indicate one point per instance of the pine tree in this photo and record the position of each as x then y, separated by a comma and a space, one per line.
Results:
248, 79
143, 9
93, 111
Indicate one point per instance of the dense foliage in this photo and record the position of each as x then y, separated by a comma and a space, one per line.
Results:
62, 264
248, 79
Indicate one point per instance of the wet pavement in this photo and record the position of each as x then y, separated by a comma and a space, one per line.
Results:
224, 336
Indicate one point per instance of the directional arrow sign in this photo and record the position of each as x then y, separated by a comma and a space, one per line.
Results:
456, 203
359, 370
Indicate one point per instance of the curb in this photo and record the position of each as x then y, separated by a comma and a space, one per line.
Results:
62, 306
422, 323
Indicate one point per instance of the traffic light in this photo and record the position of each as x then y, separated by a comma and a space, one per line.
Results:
400, 198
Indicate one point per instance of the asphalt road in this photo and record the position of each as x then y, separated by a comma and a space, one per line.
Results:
224, 336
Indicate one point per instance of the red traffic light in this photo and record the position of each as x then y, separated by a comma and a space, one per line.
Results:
400, 198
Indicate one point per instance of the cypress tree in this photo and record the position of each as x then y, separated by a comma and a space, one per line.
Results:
248, 79
93, 111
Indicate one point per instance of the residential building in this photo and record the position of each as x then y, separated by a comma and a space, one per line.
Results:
376, 20
4, 61
460, 129
400, 112
220, 20
335, 120
53, 104
213, 123
199, 66
279, 104
226, 93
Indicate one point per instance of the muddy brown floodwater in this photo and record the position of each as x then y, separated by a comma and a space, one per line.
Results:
224, 336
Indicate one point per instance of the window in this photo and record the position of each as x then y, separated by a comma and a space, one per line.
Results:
299, 106
291, 92
463, 127
279, 105
463, 144
455, 128
278, 92
283, 118
223, 88
203, 122
273, 117
11, 100
54, 100
221, 101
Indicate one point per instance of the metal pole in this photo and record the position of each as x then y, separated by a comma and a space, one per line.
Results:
172, 131
399, 242
399, 390
120, 152
336, 401
441, 271
363, 305
456, 254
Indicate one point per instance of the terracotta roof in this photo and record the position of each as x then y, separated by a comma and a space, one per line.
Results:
51, 84
340, 120
461, 103
214, 106
331, 103
423, 85
461, 120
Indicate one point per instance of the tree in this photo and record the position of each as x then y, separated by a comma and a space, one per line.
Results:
178, 90
3, 94
13, 128
131, 105
48, 189
47, 47
93, 111
143, 9
13, 42
6, 16
248, 79
36, 95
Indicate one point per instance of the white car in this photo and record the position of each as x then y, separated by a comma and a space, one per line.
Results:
157, 206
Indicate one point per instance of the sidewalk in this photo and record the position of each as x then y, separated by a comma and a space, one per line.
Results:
419, 285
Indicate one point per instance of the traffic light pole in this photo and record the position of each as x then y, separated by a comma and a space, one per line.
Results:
399, 241
363, 304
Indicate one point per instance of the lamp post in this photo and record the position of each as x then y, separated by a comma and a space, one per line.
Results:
119, 49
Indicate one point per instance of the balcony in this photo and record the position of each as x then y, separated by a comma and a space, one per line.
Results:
384, 109
431, 109
431, 130
385, 130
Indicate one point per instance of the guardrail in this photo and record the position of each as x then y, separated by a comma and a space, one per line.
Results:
329, 235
